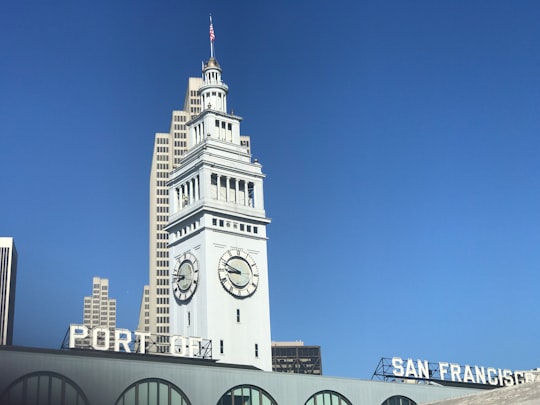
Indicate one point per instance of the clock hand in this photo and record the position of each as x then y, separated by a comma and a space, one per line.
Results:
232, 269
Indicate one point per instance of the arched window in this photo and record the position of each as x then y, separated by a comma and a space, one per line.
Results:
152, 391
43, 387
398, 400
327, 398
246, 394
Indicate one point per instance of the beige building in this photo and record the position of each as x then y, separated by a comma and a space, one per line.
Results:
169, 147
8, 273
99, 311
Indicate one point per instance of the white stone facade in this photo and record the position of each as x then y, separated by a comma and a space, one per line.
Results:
217, 214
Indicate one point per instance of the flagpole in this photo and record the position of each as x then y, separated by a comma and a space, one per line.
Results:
211, 38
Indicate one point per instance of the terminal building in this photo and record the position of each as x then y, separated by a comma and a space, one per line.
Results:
93, 377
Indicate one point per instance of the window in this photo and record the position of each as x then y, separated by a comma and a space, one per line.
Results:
44, 387
327, 398
398, 400
256, 350
153, 391
221, 346
246, 394
237, 315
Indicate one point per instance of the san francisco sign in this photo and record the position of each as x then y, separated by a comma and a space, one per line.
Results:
444, 372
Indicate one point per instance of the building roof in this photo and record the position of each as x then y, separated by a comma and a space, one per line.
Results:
523, 394
107, 354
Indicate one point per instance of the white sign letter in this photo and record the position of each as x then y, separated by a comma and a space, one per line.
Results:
455, 371
490, 373
142, 341
177, 349
410, 370
194, 346
105, 338
468, 375
122, 337
397, 364
76, 332
443, 369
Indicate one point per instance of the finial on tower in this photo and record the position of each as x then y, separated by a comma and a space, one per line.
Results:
212, 38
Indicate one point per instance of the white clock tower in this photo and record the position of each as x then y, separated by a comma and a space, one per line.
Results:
217, 236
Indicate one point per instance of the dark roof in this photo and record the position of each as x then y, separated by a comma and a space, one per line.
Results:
127, 356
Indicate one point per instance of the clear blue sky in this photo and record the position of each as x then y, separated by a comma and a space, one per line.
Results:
400, 141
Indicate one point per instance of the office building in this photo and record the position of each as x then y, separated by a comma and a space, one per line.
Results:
8, 275
295, 357
168, 149
99, 312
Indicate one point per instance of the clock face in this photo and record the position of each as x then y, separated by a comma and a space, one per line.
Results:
238, 273
185, 276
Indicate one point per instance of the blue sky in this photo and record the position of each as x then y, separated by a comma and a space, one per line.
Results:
400, 142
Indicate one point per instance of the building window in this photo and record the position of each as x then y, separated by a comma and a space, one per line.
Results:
44, 387
237, 315
247, 394
398, 400
221, 346
256, 350
152, 391
327, 398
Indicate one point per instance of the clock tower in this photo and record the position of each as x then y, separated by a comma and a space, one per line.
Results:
217, 236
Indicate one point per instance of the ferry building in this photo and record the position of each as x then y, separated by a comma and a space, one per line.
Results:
211, 344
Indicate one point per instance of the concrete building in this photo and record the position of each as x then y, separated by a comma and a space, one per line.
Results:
295, 357
99, 311
8, 275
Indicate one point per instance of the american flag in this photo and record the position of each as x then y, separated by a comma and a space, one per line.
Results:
212, 35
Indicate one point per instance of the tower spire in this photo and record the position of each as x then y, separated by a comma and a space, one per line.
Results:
212, 38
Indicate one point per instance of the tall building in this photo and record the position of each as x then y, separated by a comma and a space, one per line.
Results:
99, 311
217, 236
8, 275
169, 147
295, 357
